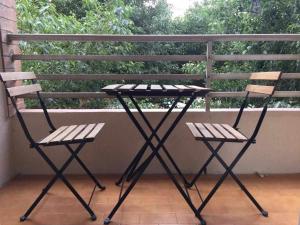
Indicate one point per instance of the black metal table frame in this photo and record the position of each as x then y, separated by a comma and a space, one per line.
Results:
131, 170
155, 150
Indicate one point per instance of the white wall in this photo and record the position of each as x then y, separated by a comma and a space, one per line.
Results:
8, 24
277, 149
6, 161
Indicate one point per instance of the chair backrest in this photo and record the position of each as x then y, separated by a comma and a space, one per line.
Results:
264, 89
18, 91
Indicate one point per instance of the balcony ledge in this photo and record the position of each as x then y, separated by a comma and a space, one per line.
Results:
154, 110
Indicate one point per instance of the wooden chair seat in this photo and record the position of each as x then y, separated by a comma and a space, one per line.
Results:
72, 134
216, 132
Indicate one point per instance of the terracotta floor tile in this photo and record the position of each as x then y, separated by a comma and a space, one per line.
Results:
187, 218
130, 218
154, 201
167, 218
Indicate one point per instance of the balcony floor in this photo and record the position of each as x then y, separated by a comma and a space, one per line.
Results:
154, 201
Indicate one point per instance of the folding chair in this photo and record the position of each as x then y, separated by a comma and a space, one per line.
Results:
65, 135
223, 133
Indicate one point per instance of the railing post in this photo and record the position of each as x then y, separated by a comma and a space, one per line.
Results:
208, 72
2, 63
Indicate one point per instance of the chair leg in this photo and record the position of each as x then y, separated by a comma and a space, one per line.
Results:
39, 198
89, 173
80, 199
58, 174
237, 180
223, 177
203, 168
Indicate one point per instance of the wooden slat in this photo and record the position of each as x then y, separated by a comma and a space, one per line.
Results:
203, 130
127, 87
85, 132
95, 131
214, 132
118, 77
65, 133
262, 89
24, 89
274, 75
53, 135
182, 87
230, 76
224, 132
196, 87
194, 130
112, 58
234, 132
278, 94
153, 38
93, 95
244, 76
111, 87
287, 76
108, 37
74, 133
287, 94
11, 76
141, 87
261, 57
156, 87
68, 95
170, 88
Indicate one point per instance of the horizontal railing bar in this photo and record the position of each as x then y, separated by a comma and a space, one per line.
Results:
258, 57
120, 77
81, 95
145, 58
244, 76
214, 76
91, 95
136, 58
153, 38
279, 94
287, 94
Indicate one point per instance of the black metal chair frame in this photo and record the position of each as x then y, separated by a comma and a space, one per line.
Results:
229, 168
132, 173
58, 171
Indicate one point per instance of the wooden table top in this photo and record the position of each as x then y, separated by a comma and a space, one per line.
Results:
155, 90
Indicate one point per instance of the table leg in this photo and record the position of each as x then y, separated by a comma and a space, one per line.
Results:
141, 152
158, 139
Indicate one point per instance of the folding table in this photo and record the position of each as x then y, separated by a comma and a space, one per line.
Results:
132, 91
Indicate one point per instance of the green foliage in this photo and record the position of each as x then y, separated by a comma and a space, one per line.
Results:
155, 17
234, 16
43, 17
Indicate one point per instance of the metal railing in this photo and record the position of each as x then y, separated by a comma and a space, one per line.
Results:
209, 58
